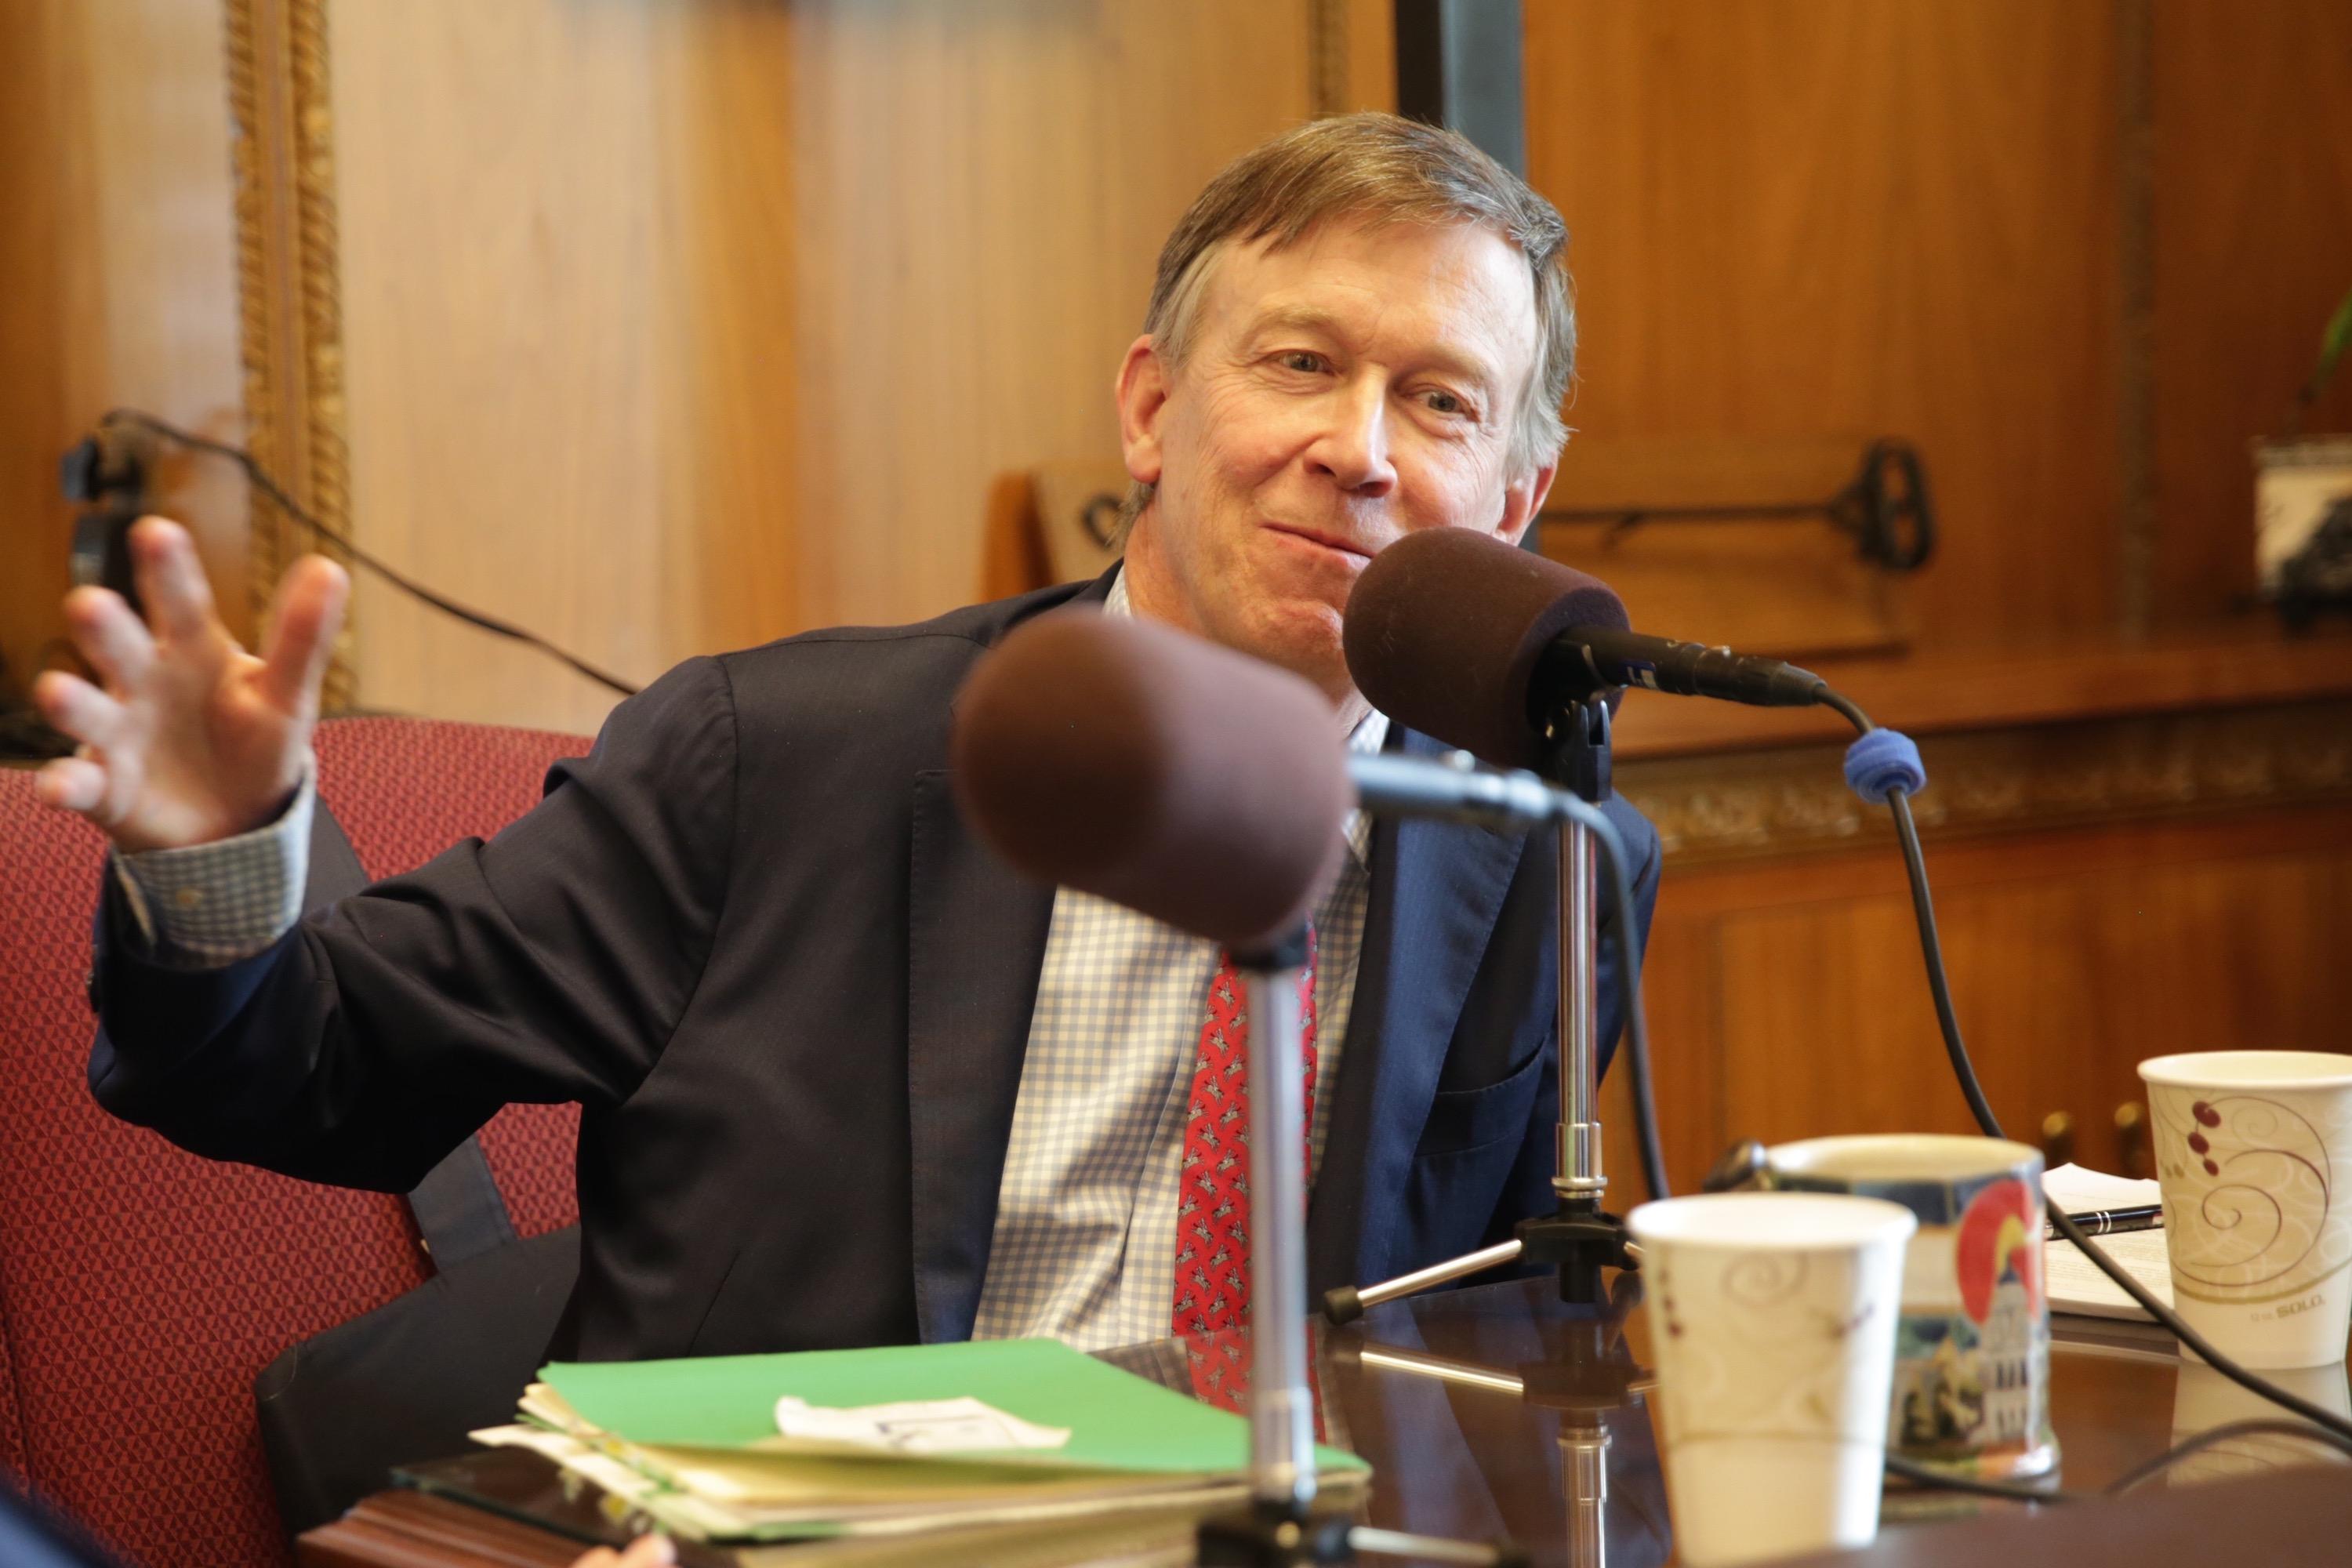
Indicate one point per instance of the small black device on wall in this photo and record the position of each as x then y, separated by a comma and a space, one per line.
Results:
106, 472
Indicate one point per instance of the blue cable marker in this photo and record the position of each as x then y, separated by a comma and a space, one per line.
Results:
1882, 762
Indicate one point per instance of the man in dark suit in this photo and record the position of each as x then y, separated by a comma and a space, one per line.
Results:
847, 1079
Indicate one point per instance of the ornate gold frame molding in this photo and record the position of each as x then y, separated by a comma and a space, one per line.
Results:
1795, 802
289, 287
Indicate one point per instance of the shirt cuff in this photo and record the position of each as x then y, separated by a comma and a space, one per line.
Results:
209, 905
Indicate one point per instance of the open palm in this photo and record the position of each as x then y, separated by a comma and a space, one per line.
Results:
190, 738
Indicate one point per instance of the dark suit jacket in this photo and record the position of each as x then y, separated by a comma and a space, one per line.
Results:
751, 935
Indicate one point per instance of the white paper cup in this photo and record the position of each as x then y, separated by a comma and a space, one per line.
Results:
2254, 1150
2204, 1399
1772, 1322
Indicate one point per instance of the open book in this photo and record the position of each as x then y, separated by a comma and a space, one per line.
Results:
2076, 1284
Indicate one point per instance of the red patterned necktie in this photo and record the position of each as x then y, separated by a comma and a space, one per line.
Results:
1212, 1199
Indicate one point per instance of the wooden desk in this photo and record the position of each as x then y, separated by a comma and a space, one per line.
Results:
1478, 1408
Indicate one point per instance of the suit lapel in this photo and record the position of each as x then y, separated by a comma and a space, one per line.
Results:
975, 944
1436, 891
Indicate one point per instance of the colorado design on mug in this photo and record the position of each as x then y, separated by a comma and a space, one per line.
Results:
1972, 1352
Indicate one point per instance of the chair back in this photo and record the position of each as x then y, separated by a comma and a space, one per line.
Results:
142, 1287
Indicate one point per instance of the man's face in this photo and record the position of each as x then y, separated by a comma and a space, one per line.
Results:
1337, 395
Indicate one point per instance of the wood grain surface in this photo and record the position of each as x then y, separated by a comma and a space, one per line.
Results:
1870, 216
117, 278
673, 328
1787, 1001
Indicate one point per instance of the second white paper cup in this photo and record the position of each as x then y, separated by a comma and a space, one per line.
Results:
1772, 1322
2254, 1150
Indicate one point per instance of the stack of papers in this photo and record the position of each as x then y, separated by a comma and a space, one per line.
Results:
906, 1442
2076, 1283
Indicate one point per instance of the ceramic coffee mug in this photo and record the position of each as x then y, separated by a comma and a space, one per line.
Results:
1772, 1322
2254, 1150
1972, 1352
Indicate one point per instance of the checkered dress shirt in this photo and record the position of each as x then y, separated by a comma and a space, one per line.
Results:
1085, 1249
212, 904
1085, 1246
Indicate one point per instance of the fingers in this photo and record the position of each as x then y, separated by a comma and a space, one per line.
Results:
645, 1552
72, 784
171, 580
303, 621
110, 636
79, 708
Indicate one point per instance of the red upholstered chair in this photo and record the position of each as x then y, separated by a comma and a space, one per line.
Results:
141, 1288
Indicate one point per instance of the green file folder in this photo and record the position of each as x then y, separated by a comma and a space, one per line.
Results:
1118, 1422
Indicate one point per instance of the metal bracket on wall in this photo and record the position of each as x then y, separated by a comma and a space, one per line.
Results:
1885, 507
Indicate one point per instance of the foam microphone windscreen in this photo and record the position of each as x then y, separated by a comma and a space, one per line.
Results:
1444, 628
1157, 770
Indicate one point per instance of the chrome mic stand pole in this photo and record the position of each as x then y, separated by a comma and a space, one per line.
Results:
1282, 1409
1579, 1237
1276, 1528
1279, 1529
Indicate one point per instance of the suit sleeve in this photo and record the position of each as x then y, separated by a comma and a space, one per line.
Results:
1530, 1190
550, 963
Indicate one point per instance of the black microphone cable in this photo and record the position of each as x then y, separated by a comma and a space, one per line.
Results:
261, 479
1896, 781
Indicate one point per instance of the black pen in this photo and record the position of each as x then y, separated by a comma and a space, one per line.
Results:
2114, 1222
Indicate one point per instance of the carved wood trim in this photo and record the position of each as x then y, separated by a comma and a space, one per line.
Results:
290, 287
1795, 802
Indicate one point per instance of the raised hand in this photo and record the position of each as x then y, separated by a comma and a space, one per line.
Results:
645, 1552
192, 738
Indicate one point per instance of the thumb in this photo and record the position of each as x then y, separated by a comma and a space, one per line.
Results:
303, 621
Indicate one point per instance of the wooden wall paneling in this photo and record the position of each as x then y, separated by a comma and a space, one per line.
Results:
116, 283
1787, 998
1859, 217
1831, 1029
1367, 75
734, 407
32, 553
2252, 149
500, 187
1682, 998
567, 282
671, 329
985, 190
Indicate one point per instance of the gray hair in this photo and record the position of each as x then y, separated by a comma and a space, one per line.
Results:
1374, 168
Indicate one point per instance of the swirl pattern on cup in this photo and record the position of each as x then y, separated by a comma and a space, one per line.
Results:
1760, 1281
2250, 1200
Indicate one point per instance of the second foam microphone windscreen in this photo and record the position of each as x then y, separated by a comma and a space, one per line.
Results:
1147, 766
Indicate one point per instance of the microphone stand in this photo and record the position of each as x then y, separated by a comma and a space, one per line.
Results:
1279, 1529
1579, 1239
1591, 1380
